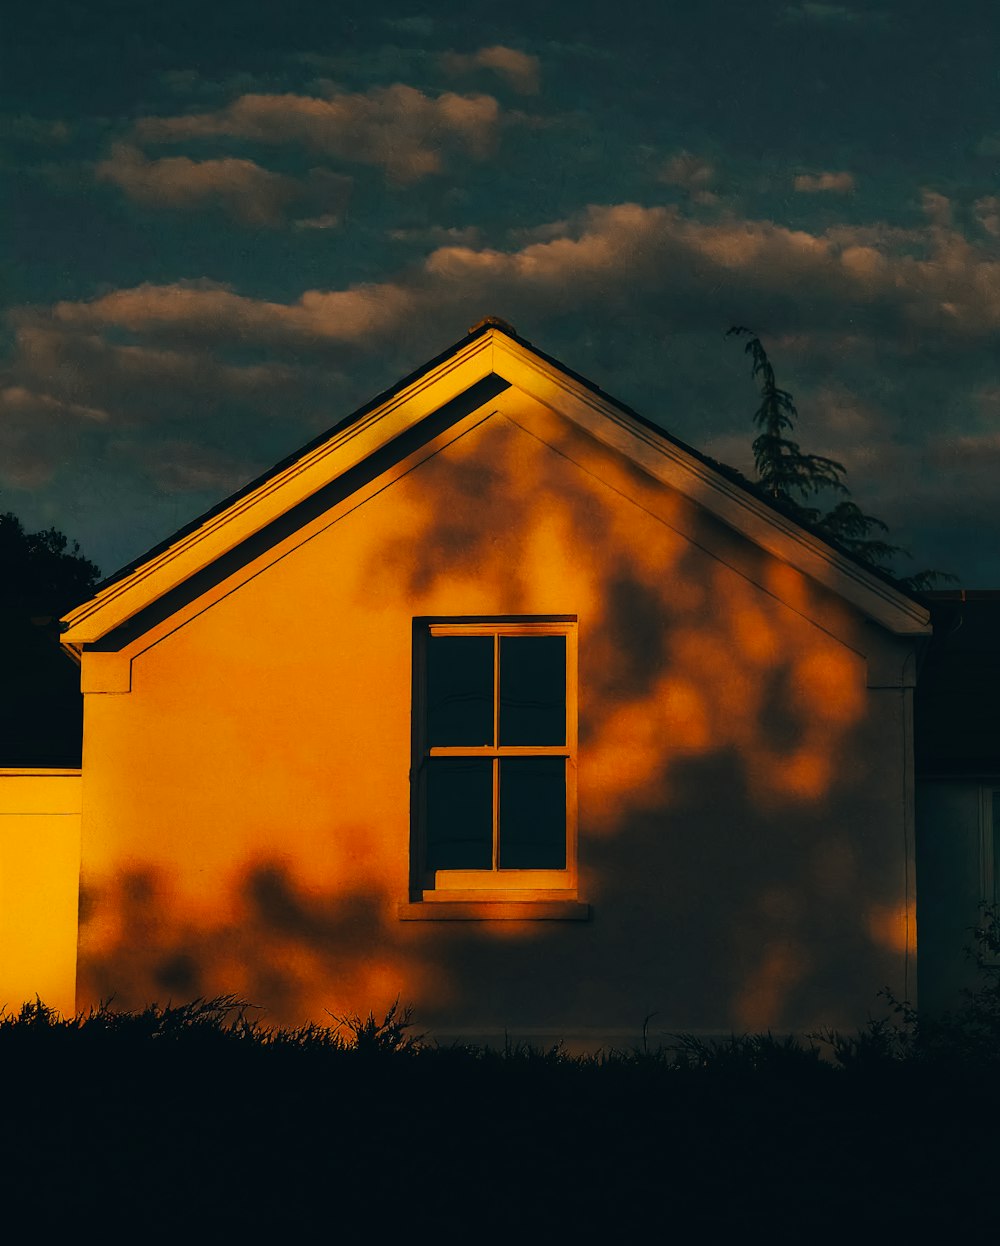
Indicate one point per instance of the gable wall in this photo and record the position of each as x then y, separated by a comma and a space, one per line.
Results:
742, 831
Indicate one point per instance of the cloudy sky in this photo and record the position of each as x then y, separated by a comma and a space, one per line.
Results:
226, 225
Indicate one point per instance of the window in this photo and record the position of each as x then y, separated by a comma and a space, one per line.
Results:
494, 766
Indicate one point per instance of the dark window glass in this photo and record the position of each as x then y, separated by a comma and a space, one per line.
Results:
459, 690
533, 813
459, 813
532, 690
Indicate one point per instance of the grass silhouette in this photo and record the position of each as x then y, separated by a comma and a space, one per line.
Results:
178, 1118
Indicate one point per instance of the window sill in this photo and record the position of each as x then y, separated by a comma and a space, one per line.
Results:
494, 910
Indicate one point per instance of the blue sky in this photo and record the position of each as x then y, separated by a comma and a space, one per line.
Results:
225, 226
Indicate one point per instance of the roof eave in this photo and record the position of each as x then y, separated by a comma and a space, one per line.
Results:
488, 348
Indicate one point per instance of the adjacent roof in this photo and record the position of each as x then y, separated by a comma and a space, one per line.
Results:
490, 357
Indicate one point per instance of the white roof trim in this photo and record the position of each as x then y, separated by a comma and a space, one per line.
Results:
278, 494
689, 475
493, 351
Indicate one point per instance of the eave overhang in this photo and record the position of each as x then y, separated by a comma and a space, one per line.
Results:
485, 353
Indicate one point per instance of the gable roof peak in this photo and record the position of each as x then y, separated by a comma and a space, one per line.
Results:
491, 355
494, 322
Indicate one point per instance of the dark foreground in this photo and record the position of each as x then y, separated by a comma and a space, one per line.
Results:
192, 1122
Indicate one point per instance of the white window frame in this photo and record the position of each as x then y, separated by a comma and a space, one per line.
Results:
493, 884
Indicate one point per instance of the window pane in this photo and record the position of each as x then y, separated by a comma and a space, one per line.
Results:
459, 813
532, 690
533, 813
459, 690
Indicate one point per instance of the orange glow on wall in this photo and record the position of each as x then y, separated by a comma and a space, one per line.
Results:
890, 928
246, 798
39, 873
768, 983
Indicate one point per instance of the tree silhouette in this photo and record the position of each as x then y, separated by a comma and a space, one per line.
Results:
41, 573
41, 576
794, 479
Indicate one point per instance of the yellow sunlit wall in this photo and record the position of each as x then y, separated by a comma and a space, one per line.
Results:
39, 874
742, 827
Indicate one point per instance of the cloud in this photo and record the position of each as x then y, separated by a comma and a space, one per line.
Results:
207, 313
982, 450
329, 220
182, 81
439, 235
987, 213
35, 130
360, 68
17, 399
679, 267
240, 188
87, 375
519, 70
177, 465
644, 292
621, 258
692, 173
38, 432
937, 208
197, 84
396, 128
76, 396
817, 183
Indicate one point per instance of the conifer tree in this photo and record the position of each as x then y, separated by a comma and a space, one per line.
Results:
795, 480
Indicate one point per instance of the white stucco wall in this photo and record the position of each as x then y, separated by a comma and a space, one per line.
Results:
744, 781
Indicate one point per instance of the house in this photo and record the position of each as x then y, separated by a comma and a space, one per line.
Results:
498, 699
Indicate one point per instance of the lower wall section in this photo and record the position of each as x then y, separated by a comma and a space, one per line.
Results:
39, 887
